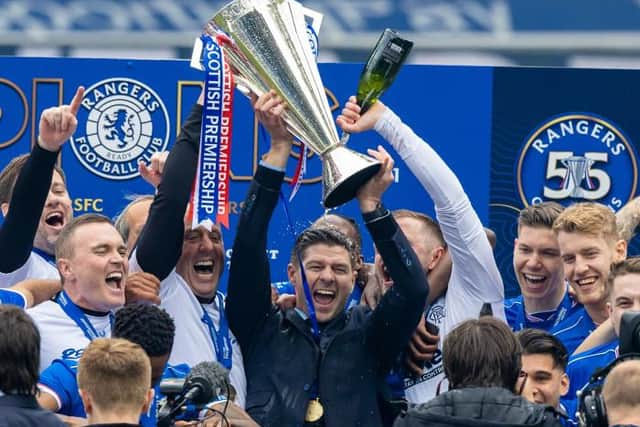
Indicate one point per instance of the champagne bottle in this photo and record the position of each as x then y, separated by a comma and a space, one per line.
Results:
382, 67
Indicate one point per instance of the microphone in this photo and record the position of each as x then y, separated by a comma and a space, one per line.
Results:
205, 382
171, 387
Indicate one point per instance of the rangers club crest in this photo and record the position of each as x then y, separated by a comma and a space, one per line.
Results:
577, 157
121, 122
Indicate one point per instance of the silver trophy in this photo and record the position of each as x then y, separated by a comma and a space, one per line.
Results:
577, 171
267, 47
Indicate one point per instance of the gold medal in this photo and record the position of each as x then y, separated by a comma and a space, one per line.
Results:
314, 411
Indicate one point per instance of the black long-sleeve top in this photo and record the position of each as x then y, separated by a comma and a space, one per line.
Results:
160, 243
25, 209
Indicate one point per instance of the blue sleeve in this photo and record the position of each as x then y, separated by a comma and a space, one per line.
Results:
583, 365
176, 371
60, 378
150, 418
511, 308
570, 406
579, 374
8, 296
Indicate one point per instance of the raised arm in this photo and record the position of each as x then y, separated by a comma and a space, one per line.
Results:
249, 289
395, 318
628, 219
166, 214
471, 253
461, 228
24, 208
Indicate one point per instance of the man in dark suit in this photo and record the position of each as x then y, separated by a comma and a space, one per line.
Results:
327, 375
19, 363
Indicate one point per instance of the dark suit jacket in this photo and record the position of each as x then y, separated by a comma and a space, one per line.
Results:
282, 359
24, 411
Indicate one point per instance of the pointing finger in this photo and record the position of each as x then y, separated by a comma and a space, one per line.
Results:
77, 100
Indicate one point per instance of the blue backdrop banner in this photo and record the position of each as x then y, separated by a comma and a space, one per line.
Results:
506, 133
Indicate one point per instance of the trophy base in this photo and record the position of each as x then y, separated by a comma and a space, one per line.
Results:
344, 171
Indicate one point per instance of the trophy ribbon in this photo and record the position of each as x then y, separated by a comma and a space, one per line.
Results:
301, 170
210, 196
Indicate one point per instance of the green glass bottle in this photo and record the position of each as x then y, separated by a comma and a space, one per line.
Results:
382, 67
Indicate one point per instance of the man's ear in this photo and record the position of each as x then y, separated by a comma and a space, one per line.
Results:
564, 385
64, 267
148, 400
291, 273
621, 250
436, 256
4, 207
86, 401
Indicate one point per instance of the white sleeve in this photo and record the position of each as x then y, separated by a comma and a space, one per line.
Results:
34, 268
134, 266
166, 288
475, 278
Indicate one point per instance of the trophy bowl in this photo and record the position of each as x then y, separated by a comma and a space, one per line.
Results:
266, 45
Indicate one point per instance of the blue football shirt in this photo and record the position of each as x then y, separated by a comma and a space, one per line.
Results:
60, 378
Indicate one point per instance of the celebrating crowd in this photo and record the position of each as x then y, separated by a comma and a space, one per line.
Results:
97, 316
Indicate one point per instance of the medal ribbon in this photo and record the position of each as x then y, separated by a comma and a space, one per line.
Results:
78, 316
305, 284
219, 337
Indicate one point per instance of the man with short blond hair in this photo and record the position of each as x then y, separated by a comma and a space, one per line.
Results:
589, 243
113, 378
623, 294
621, 394
91, 259
454, 251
